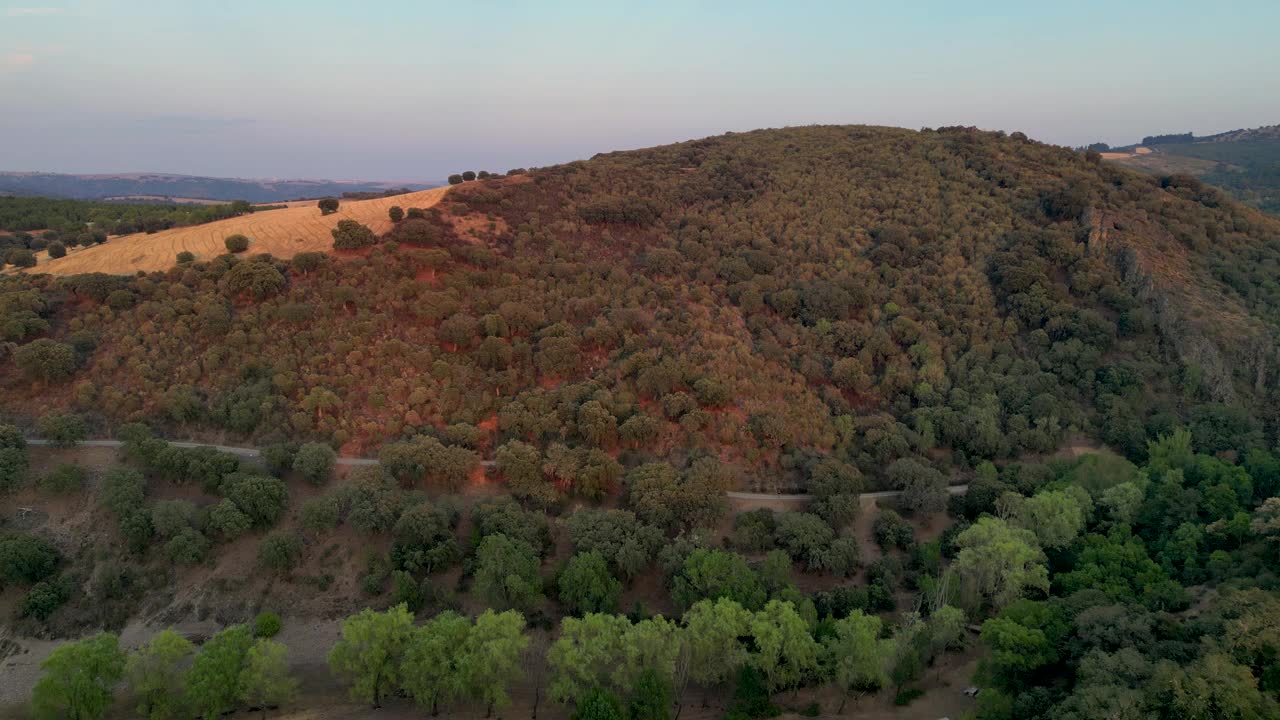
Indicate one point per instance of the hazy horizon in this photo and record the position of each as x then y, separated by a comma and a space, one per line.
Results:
412, 92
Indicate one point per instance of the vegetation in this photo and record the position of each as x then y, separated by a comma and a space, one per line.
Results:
829, 310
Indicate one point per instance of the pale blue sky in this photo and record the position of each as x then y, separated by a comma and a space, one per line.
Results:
415, 90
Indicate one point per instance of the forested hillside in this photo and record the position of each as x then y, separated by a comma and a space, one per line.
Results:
827, 309
765, 298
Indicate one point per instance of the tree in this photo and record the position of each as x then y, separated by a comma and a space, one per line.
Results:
26, 560
785, 651
46, 360
455, 179
652, 697
185, 257
351, 235
805, 537
507, 573
156, 675
468, 176
315, 462
835, 487
57, 250
328, 206
584, 656
855, 656
280, 551
261, 497
424, 539
368, 656
1055, 516
13, 458
213, 685
257, 278
521, 465
265, 681
713, 574
429, 672
998, 563
489, 658
924, 489
396, 213
236, 243
62, 430
713, 630
78, 680
586, 586
599, 704
227, 522
266, 624
1021, 641
1212, 687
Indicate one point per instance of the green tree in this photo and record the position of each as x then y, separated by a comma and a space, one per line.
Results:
586, 586
507, 573
328, 206
924, 489
489, 658
713, 574
261, 497
236, 243
1055, 516
429, 671
13, 458
369, 654
396, 213
315, 462
156, 675
213, 684
585, 655
714, 630
998, 563
79, 679
57, 250
785, 651
264, 680
652, 697
62, 430
855, 655
46, 360
266, 624
280, 551
351, 235
599, 704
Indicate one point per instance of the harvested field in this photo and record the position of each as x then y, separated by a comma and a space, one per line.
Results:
282, 233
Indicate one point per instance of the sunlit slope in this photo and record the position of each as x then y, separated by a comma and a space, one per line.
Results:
282, 233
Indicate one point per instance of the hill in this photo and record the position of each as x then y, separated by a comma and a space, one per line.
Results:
766, 298
1245, 163
187, 187
282, 232
565, 373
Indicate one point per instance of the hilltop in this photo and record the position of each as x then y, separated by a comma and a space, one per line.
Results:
1245, 163
186, 188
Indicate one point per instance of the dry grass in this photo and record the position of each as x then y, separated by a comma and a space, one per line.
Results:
282, 233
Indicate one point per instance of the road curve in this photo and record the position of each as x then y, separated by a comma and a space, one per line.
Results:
254, 453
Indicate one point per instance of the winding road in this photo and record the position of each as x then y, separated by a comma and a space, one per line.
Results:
255, 453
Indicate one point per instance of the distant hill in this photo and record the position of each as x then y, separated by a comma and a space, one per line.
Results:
187, 187
1245, 163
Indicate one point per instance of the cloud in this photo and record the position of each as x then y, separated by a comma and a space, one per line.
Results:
34, 11
17, 60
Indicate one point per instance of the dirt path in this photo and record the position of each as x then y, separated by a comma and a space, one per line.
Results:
741, 500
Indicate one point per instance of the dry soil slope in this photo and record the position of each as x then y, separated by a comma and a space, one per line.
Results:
282, 233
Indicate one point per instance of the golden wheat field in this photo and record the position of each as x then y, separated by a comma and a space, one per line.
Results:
282, 233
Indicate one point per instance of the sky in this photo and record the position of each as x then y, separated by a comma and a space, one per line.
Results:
415, 90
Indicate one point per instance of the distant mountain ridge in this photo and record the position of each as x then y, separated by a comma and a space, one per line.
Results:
1245, 162
98, 186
